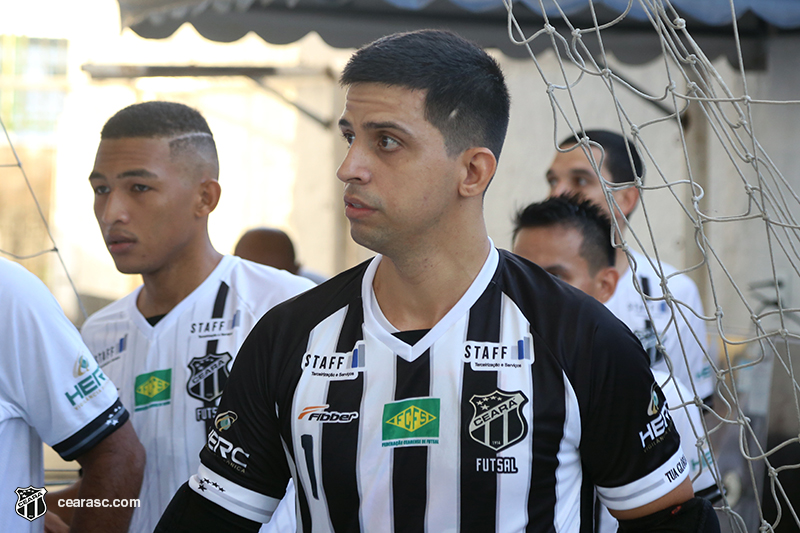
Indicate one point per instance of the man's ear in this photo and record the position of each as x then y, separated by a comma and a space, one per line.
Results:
480, 165
606, 280
208, 197
627, 199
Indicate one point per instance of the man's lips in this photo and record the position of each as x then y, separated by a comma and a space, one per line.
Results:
119, 243
354, 208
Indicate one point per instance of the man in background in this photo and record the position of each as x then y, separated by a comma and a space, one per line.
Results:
569, 238
619, 163
51, 389
272, 247
170, 344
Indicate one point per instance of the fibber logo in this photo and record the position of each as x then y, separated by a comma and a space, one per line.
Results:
318, 413
411, 422
152, 389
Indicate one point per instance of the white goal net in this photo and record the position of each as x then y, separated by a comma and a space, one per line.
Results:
742, 245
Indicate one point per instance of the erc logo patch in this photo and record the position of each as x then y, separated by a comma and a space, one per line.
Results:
411, 422
498, 422
30, 502
152, 389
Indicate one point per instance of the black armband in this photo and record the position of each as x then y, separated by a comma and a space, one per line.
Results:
188, 512
693, 516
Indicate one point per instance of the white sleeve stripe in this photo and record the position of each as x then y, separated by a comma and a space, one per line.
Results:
645, 490
236, 499
656, 484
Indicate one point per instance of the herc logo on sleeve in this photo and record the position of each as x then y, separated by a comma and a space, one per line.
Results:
411, 422
152, 389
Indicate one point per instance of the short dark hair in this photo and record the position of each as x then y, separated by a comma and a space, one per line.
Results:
158, 119
466, 95
571, 211
616, 154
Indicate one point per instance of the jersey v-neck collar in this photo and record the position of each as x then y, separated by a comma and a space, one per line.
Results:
375, 321
150, 331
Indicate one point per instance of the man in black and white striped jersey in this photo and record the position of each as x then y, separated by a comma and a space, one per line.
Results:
442, 385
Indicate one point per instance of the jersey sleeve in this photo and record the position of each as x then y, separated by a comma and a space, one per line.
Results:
50, 377
630, 445
243, 466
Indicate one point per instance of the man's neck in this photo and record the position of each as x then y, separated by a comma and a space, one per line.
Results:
416, 292
169, 285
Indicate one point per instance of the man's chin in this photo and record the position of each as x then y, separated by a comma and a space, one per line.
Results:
125, 267
363, 238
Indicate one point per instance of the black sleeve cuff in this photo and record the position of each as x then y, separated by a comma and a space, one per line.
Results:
188, 512
93, 432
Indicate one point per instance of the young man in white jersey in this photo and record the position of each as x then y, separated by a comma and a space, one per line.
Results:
683, 339
435, 387
569, 238
51, 389
170, 344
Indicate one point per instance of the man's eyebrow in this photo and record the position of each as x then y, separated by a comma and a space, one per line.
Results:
386, 126
344, 123
134, 173
582, 171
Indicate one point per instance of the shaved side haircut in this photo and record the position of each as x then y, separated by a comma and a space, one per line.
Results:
186, 129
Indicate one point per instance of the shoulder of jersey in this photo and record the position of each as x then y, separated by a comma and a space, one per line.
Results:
543, 298
325, 298
537, 279
117, 310
561, 315
16, 278
264, 285
19, 282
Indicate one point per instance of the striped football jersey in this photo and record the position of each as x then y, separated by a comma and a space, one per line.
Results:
504, 416
170, 376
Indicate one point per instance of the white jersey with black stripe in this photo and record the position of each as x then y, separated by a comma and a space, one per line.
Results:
627, 305
170, 375
51, 390
504, 416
